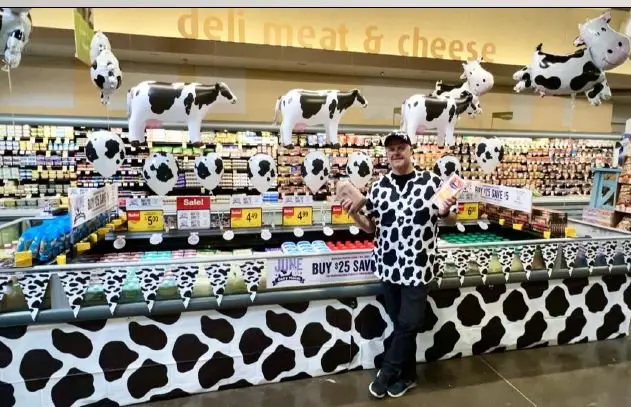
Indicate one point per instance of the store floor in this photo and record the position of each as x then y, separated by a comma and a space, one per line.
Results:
586, 375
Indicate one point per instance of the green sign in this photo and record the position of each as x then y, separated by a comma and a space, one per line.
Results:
83, 33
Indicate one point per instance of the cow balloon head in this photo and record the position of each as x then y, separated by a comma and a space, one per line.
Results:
358, 98
15, 31
469, 103
608, 48
479, 80
224, 91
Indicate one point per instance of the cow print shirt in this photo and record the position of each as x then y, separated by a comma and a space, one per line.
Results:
407, 226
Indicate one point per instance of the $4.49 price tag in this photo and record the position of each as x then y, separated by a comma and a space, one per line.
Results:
145, 221
298, 216
246, 218
339, 216
468, 211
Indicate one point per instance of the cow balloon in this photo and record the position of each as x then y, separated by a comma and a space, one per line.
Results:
440, 113
308, 107
209, 170
173, 103
489, 153
262, 172
160, 172
581, 72
359, 169
15, 32
105, 70
105, 151
315, 170
477, 81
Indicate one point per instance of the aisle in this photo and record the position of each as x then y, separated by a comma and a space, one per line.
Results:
586, 375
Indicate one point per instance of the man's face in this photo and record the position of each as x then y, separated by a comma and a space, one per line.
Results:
399, 154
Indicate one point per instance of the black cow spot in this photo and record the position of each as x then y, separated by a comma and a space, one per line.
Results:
575, 286
115, 359
111, 148
469, 312
149, 376
480, 149
627, 296
265, 167
206, 95
490, 336
150, 336
369, 323
444, 342
202, 170
552, 83
73, 343
430, 319
556, 303
332, 107
37, 367
281, 360
13, 332
445, 298
162, 96
339, 318
218, 329
90, 152
99, 81
491, 293
614, 282
299, 376
239, 384
339, 354
590, 73
252, 344
514, 306
218, 165
452, 112
6, 356
595, 298
364, 169
164, 172
234, 313
173, 394
74, 386
434, 108
103, 403
535, 289
348, 302
283, 323
313, 337
166, 319
310, 104
611, 323
317, 166
7, 394
533, 331
187, 350
574, 325
217, 368
595, 91
188, 103
346, 99
549, 59
297, 307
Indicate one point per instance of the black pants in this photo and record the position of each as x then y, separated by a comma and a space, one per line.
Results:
406, 308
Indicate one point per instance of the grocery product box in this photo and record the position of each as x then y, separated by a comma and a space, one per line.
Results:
544, 220
598, 216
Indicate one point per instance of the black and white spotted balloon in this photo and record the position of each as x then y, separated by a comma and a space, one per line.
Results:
359, 169
489, 153
262, 172
160, 172
105, 151
209, 170
315, 170
446, 166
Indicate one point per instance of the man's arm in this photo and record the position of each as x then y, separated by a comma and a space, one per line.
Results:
363, 222
449, 220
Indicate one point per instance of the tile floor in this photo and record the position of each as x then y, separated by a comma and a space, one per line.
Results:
586, 375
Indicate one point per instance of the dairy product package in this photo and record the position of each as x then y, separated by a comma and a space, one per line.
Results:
449, 189
346, 190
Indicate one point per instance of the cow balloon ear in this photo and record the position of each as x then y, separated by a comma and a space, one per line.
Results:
578, 41
355, 91
606, 16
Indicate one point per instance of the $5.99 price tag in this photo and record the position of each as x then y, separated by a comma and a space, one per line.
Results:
145, 221
246, 218
468, 211
298, 216
339, 216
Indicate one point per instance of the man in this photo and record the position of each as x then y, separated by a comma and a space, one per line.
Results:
399, 208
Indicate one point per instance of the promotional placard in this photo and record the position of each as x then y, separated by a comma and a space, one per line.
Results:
310, 271
193, 212
86, 204
517, 199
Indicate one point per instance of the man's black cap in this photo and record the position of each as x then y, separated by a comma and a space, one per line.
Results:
397, 135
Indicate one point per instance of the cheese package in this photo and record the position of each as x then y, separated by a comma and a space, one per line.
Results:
346, 190
449, 189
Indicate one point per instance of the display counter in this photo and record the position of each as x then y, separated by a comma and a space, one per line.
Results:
144, 328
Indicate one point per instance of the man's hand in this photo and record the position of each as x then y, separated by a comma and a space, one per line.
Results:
361, 221
349, 206
444, 210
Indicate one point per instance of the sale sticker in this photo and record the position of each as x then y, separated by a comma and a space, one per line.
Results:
339, 216
145, 221
246, 218
298, 216
468, 211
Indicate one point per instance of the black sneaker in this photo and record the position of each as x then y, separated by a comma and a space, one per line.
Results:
400, 387
379, 387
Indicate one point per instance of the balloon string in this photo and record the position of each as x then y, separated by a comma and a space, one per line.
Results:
11, 97
107, 110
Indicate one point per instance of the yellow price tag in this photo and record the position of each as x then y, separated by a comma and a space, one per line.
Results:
468, 211
570, 232
246, 218
546, 234
502, 221
145, 221
298, 216
518, 226
339, 216
23, 259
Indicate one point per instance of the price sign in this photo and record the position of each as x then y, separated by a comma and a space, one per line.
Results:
468, 211
298, 216
339, 216
246, 218
145, 221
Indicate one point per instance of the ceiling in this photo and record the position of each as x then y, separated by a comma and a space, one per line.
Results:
59, 43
